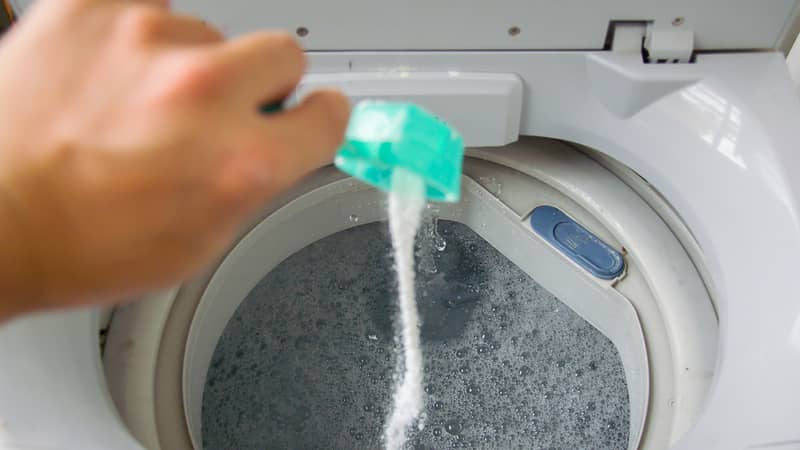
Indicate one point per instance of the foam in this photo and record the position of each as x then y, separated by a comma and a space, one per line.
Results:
296, 368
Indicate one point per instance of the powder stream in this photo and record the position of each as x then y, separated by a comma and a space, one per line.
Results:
405, 209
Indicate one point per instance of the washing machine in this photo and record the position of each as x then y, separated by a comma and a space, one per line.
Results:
629, 186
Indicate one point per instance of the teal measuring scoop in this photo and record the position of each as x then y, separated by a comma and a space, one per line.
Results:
385, 136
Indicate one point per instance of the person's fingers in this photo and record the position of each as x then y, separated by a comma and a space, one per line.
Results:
189, 30
263, 67
308, 135
159, 3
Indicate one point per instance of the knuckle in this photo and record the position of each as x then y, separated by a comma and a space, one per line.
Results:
291, 50
188, 79
278, 163
141, 24
74, 5
275, 157
213, 33
227, 191
199, 77
237, 178
286, 42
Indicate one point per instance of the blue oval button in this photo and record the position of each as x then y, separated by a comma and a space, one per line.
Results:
576, 242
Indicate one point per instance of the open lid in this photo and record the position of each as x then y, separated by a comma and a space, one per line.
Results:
502, 24
499, 25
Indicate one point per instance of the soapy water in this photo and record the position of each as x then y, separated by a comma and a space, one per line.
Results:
307, 361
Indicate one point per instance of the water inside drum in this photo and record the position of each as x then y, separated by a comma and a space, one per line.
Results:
308, 358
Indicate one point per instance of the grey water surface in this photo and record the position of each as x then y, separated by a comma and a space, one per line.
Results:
307, 361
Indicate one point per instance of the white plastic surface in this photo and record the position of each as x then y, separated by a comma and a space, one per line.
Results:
484, 107
52, 390
624, 93
793, 61
482, 25
478, 24
142, 325
723, 152
627, 38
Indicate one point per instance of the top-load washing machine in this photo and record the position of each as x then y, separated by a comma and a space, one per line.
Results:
635, 159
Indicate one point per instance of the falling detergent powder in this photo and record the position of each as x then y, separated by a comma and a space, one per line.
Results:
405, 209
409, 152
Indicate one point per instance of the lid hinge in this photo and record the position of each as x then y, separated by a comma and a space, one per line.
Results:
657, 45
668, 45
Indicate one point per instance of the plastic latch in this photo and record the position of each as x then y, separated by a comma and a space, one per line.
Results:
577, 243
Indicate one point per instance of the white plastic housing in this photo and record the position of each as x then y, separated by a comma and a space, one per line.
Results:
498, 25
484, 107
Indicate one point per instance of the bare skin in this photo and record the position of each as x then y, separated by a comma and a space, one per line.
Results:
131, 147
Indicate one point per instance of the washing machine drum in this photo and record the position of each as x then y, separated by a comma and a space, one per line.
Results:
540, 325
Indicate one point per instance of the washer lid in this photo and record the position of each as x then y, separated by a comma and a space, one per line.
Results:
498, 25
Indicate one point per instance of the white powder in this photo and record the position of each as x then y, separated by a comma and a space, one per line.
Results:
405, 208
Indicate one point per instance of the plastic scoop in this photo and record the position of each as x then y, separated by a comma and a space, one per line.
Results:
385, 136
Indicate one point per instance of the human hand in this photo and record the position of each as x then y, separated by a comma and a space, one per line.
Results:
131, 146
